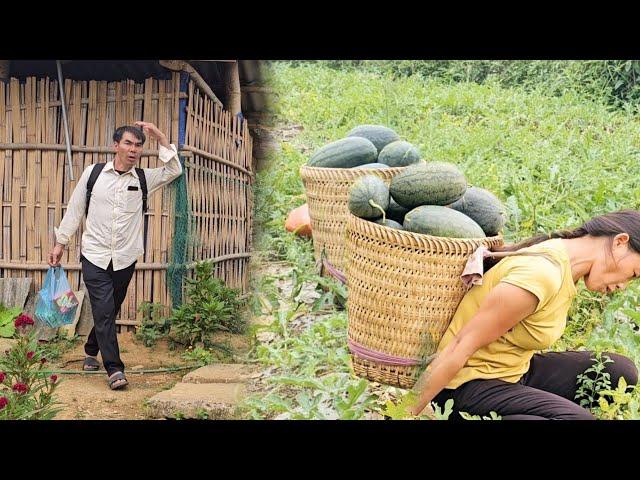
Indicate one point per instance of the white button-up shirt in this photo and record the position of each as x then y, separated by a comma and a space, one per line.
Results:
114, 225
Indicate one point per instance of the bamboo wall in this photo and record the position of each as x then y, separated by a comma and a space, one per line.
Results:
217, 151
36, 187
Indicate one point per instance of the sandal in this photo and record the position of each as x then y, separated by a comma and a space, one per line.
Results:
117, 381
90, 364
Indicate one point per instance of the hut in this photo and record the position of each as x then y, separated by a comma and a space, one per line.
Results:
206, 214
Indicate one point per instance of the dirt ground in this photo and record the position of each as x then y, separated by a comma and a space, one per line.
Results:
89, 397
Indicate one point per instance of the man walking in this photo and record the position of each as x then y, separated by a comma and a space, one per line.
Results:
113, 196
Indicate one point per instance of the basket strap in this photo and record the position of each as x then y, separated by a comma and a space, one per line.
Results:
379, 357
474, 268
333, 271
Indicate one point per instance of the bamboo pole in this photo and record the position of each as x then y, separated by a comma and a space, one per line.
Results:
58, 166
5, 67
233, 97
212, 156
6, 156
5, 159
16, 174
181, 65
62, 148
31, 165
76, 131
146, 116
45, 243
64, 118
110, 99
139, 266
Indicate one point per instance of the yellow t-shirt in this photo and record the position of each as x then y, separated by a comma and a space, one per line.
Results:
508, 357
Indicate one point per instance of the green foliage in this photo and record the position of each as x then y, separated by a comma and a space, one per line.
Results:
611, 82
154, 324
590, 388
399, 411
208, 356
616, 330
310, 377
622, 404
202, 414
492, 416
26, 392
7, 316
211, 307
440, 414
57, 346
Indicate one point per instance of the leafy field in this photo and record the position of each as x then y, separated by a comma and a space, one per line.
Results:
555, 161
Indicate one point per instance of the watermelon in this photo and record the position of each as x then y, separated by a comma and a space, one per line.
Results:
428, 183
373, 165
379, 135
441, 222
345, 153
399, 154
390, 223
369, 197
484, 208
396, 212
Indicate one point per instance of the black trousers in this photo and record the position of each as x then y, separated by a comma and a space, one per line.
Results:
545, 392
107, 290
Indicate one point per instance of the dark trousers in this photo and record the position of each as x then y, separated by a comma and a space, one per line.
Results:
107, 290
545, 392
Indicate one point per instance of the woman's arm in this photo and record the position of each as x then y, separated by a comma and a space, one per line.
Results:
503, 308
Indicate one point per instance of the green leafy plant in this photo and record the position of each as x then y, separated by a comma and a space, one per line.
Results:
211, 307
440, 414
492, 416
26, 392
310, 377
621, 404
399, 411
204, 356
334, 293
613, 82
7, 316
202, 414
154, 325
354, 404
57, 346
591, 388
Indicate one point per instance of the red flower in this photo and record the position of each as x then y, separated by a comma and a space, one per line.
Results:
3, 402
2, 377
53, 378
30, 355
23, 320
43, 360
20, 388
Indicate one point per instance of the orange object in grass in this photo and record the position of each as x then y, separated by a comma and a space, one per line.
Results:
299, 222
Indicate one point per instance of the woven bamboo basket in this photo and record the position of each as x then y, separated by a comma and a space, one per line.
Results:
327, 192
404, 289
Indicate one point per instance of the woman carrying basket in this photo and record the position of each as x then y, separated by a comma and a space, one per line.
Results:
487, 360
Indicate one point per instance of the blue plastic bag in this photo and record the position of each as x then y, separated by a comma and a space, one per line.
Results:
57, 304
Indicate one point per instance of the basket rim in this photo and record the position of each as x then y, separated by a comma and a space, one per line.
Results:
404, 237
347, 173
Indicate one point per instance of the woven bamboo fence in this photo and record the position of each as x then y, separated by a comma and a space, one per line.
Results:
218, 159
214, 146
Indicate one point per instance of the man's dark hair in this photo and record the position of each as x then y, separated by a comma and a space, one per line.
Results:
135, 131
